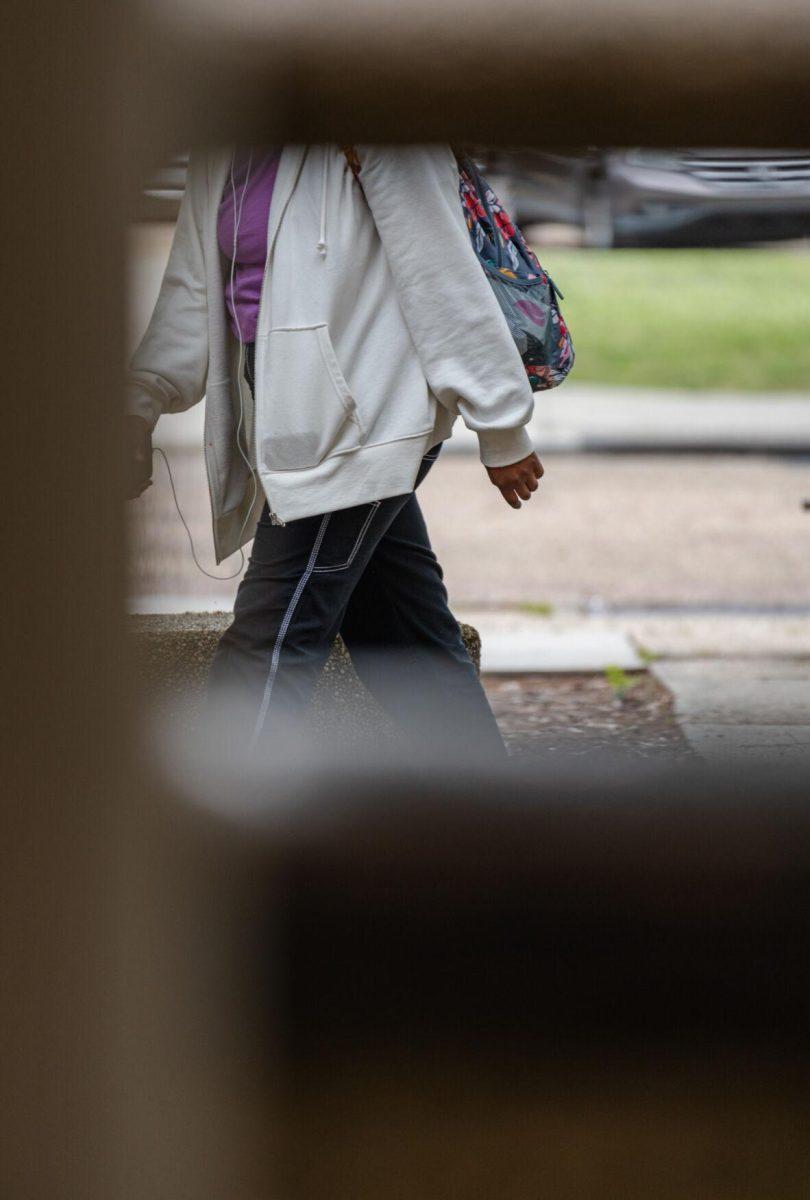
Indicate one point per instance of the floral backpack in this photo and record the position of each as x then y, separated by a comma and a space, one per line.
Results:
528, 297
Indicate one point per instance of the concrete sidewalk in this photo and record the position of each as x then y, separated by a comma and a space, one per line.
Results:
516, 642
743, 711
590, 417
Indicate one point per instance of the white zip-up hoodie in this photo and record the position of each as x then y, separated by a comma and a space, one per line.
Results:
377, 328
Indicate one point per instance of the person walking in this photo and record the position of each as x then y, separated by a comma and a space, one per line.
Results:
330, 307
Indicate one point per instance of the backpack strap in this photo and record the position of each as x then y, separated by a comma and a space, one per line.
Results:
352, 159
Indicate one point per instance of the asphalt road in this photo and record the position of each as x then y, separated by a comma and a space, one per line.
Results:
615, 530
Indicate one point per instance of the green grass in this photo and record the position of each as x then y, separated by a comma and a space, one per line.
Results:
620, 682
538, 608
736, 319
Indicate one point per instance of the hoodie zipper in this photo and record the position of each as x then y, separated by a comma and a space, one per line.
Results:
321, 244
274, 518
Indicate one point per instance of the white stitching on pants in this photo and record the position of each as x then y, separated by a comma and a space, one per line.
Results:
282, 632
361, 535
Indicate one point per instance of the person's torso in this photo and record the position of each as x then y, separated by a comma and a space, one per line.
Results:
335, 365
341, 405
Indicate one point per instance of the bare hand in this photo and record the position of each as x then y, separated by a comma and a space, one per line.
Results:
517, 481
137, 456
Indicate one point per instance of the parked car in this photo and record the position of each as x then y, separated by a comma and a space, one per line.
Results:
622, 197
661, 198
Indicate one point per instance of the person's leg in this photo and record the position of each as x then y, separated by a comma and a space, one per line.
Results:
407, 648
288, 610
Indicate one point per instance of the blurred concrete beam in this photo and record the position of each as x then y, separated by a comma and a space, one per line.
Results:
608, 72
63, 750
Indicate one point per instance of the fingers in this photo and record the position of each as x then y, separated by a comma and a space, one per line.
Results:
518, 482
510, 497
522, 485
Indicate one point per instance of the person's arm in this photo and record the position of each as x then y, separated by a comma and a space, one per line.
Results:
168, 370
470, 360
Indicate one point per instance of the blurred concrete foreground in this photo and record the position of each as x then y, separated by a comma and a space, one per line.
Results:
124, 940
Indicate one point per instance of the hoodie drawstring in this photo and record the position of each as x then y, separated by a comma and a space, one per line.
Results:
322, 238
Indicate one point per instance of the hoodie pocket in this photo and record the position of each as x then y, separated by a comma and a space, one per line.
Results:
308, 411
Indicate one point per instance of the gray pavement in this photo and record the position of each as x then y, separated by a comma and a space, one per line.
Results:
516, 643
742, 710
693, 532
698, 534
582, 417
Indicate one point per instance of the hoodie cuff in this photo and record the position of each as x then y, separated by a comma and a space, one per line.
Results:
503, 447
140, 403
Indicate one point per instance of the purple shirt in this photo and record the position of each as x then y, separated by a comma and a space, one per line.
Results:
254, 176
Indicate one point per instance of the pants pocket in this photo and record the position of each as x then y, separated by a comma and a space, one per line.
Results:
308, 411
347, 532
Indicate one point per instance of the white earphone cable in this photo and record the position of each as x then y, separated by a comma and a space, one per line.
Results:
159, 450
